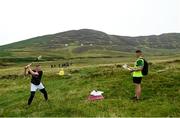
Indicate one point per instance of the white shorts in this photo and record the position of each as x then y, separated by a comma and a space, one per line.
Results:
36, 87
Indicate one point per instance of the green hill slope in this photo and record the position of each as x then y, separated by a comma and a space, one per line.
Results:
86, 42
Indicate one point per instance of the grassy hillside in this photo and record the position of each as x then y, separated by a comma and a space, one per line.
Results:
68, 94
86, 43
96, 59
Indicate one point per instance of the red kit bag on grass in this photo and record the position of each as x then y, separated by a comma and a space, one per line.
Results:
95, 95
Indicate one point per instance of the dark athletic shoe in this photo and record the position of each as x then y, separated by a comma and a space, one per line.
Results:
133, 98
137, 99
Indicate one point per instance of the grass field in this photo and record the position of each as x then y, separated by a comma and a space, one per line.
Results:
68, 94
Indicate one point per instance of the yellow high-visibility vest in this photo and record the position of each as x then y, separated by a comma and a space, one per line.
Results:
138, 73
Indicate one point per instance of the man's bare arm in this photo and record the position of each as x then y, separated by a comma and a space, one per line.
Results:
25, 71
30, 70
136, 68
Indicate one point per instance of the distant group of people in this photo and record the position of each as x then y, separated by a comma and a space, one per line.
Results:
64, 65
138, 72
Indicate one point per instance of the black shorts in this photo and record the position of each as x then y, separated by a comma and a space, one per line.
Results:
137, 80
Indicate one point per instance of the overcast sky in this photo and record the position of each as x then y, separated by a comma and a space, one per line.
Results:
23, 19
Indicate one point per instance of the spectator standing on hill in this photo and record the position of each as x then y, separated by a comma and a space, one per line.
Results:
138, 71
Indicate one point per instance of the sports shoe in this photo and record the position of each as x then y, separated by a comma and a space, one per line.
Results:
133, 98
